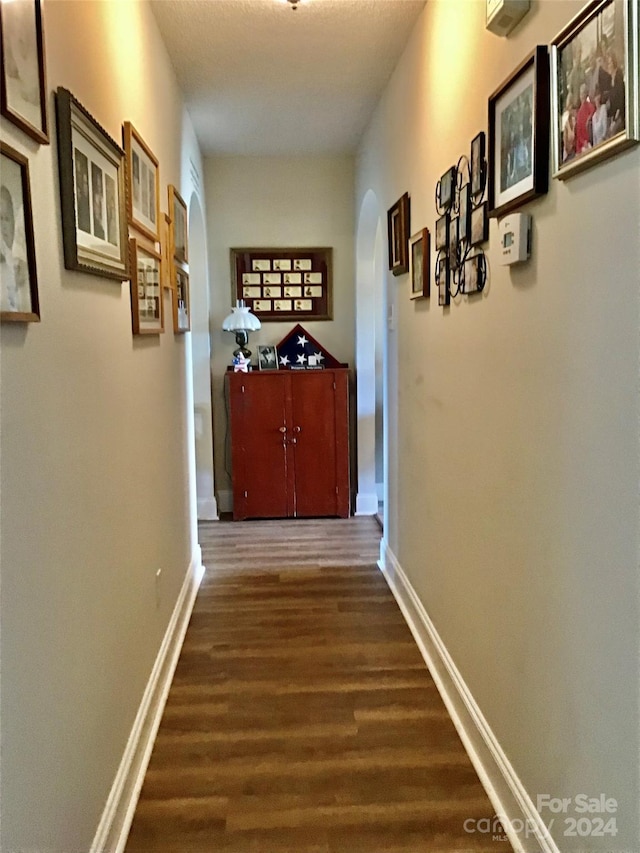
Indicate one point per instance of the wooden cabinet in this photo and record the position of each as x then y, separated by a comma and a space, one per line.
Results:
290, 443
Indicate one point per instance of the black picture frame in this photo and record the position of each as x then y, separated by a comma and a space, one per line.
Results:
474, 272
398, 227
22, 24
267, 357
442, 278
479, 227
454, 244
478, 164
518, 146
612, 123
464, 212
18, 283
442, 233
92, 193
446, 190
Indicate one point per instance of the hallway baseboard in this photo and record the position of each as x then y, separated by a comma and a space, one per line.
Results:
366, 503
113, 829
208, 509
522, 823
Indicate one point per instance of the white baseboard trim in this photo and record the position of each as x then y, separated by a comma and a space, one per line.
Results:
225, 500
513, 805
366, 503
115, 823
207, 509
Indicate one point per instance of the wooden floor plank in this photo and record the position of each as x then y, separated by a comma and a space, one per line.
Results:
301, 716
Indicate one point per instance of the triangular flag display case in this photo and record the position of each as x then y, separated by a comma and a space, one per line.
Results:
299, 350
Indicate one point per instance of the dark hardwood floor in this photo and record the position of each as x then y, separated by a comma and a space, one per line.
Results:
302, 717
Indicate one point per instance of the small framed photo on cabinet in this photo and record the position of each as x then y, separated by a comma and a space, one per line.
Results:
267, 357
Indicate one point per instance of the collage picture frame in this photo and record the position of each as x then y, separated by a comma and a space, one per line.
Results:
147, 303
92, 193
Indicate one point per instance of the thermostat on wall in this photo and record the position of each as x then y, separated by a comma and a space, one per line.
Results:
503, 15
515, 238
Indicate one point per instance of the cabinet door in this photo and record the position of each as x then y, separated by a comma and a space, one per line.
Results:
321, 432
262, 467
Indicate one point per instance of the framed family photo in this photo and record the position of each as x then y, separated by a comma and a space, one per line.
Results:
92, 193
594, 86
23, 83
479, 230
478, 164
147, 309
18, 283
398, 235
442, 232
143, 184
178, 217
267, 357
442, 280
420, 264
519, 136
446, 190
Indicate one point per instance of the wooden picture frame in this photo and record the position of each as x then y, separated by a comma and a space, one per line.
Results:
595, 110
23, 81
147, 303
398, 222
179, 238
280, 284
420, 264
143, 184
92, 193
519, 135
267, 357
18, 281
165, 248
181, 301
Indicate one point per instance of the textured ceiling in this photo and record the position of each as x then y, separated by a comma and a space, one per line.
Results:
261, 78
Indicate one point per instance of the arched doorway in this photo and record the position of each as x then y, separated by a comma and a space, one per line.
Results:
370, 348
200, 363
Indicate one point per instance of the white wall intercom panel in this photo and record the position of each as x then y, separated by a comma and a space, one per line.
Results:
515, 238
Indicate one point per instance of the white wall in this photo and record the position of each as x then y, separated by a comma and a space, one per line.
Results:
96, 450
513, 429
269, 202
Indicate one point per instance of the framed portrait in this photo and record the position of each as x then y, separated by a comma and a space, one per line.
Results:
464, 212
18, 282
178, 217
181, 301
143, 184
594, 86
420, 264
92, 193
398, 235
442, 232
474, 274
147, 309
478, 164
479, 229
23, 86
519, 136
267, 357
442, 279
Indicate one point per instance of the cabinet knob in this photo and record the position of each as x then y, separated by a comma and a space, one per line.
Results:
282, 429
296, 429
